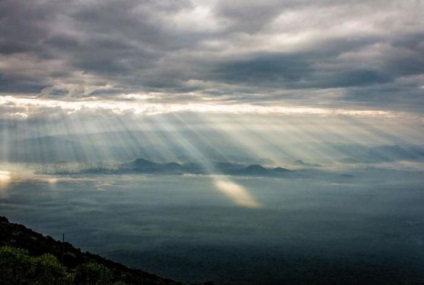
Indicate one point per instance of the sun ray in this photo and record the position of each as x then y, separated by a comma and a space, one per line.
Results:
235, 192
245, 137
217, 155
307, 145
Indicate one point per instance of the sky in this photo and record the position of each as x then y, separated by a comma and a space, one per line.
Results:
353, 63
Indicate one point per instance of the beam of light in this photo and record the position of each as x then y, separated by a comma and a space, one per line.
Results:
5, 143
307, 144
322, 140
253, 138
134, 146
235, 192
383, 136
409, 131
186, 146
277, 136
385, 132
92, 144
278, 133
282, 139
257, 140
159, 148
119, 146
204, 140
263, 142
322, 137
77, 151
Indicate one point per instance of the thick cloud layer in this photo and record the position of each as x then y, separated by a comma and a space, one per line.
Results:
351, 53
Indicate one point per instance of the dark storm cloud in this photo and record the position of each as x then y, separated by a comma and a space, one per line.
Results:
249, 16
20, 85
245, 51
21, 26
296, 71
274, 69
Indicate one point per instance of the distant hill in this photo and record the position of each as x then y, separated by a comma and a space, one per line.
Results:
27, 257
143, 166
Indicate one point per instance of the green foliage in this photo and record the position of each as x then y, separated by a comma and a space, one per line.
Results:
37, 263
46, 269
93, 274
17, 267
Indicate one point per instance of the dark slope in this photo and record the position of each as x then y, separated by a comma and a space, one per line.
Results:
18, 236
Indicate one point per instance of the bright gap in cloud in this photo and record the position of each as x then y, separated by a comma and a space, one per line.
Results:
25, 104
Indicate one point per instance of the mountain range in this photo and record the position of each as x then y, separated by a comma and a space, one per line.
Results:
143, 166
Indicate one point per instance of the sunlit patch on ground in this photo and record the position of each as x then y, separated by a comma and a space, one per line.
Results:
4, 176
236, 193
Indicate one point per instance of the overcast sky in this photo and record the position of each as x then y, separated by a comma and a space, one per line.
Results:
327, 54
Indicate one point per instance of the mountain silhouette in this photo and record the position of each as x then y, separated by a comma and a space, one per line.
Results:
144, 166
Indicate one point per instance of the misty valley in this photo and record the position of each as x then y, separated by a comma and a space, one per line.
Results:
343, 226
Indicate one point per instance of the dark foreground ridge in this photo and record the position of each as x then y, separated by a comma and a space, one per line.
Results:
27, 257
